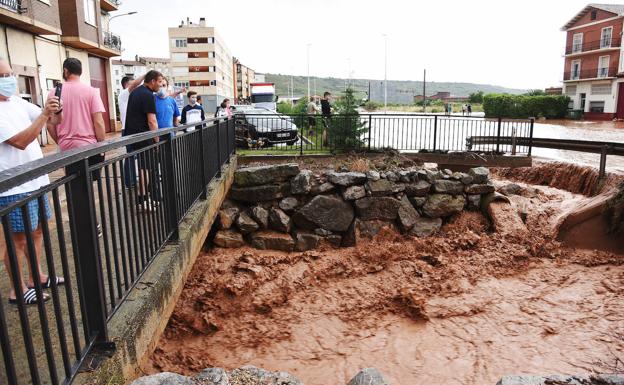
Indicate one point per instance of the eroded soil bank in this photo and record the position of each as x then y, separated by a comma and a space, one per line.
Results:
466, 306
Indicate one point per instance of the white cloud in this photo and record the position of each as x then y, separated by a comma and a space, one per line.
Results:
510, 43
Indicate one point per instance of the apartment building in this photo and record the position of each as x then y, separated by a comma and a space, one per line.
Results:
201, 61
37, 36
136, 68
594, 70
243, 77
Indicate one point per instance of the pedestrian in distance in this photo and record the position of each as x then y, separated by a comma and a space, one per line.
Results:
141, 117
326, 113
464, 109
223, 110
469, 109
21, 123
192, 112
312, 109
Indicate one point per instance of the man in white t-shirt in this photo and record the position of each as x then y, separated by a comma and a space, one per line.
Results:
20, 124
128, 84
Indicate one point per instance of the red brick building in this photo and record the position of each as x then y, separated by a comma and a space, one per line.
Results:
593, 73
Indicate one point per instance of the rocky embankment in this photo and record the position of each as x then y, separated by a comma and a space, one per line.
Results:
281, 207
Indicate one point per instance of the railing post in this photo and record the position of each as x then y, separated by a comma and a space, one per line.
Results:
603, 162
202, 136
87, 252
370, 118
169, 182
498, 135
435, 132
301, 124
531, 136
219, 160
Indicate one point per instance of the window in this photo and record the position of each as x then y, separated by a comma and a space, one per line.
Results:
213, 82
211, 54
596, 107
89, 10
601, 89
180, 71
605, 37
594, 14
194, 55
603, 66
179, 43
178, 56
198, 40
570, 90
181, 84
211, 40
577, 42
575, 72
118, 82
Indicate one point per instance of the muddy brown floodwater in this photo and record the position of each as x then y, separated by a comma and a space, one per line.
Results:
464, 307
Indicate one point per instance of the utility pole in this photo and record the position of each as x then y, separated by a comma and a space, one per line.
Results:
291, 91
309, 71
385, 72
425, 90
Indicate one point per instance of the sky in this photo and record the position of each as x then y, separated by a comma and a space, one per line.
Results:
517, 44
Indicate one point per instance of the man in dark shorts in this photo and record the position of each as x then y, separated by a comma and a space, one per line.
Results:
326, 112
141, 117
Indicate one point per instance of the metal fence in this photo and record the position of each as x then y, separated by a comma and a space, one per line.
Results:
404, 132
135, 198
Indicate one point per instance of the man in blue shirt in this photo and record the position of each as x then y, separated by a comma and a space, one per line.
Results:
167, 111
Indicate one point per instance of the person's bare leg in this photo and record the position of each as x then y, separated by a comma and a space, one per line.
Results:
37, 237
19, 243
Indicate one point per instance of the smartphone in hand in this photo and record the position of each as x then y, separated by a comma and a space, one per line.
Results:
59, 88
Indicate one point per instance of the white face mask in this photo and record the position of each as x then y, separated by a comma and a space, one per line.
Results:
193, 101
8, 86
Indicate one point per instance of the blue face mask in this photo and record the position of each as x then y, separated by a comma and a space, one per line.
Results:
8, 86
162, 92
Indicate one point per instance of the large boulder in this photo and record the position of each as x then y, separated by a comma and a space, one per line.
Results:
380, 188
289, 204
424, 227
510, 189
373, 175
272, 240
213, 376
246, 224
260, 193
443, 205
302, 183
256, 176
165, 378
354, 192
480, 189
346, 179
306, 241
260, 215
278, 220
479, 175
326, 212
323, 188
445, 186
229, 239
227, 217
384, 208
368, 376
418, 189
407, 215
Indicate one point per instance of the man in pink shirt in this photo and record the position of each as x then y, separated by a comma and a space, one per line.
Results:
81, 120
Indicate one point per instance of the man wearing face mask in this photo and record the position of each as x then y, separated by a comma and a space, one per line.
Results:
141, 117
20, 124
167, 111
193, 112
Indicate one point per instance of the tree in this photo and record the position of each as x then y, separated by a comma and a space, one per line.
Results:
346, 128
535, 93
476, 97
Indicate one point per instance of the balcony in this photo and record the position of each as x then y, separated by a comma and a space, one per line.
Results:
110, 5
606, 43
112, 41
16, 13
12, 5
595, 73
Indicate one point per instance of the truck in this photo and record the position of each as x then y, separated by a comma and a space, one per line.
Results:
263, 96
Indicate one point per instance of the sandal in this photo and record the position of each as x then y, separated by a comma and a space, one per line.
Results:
60, 281
30, 298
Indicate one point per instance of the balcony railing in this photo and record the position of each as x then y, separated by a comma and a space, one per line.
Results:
594, 73
12, 5
611, 42
112, 41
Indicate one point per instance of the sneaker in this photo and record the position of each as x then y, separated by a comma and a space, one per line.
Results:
99, 230
146, 206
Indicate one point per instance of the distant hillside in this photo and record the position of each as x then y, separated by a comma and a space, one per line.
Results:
399, 91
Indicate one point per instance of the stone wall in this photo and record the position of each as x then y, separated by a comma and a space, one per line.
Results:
281, 207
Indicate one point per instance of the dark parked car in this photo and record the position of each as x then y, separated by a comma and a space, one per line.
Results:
262, 128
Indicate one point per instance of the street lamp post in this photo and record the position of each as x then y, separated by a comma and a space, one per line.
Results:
385, 72
123, 14
309, 70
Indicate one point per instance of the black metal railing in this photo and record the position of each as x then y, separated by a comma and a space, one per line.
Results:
135, 197
592, 73
271, 132
607, 42
112, 40
12, 5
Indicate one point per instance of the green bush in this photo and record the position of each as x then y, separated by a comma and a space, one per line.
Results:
346, 128
524, 106
372, 106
